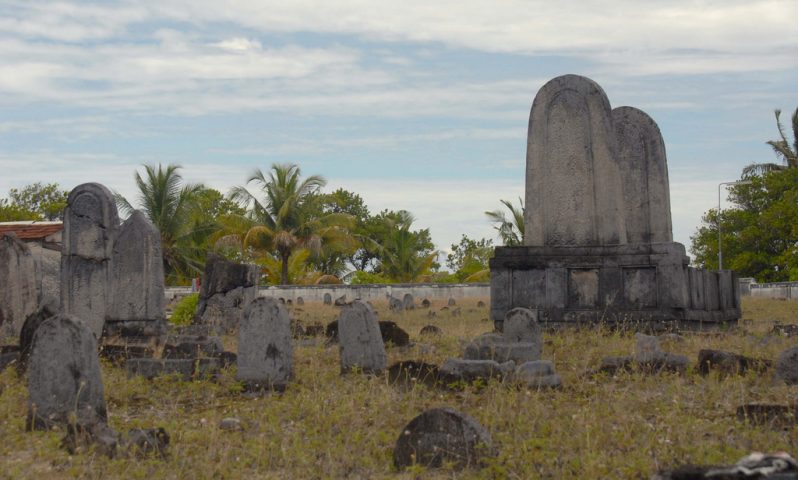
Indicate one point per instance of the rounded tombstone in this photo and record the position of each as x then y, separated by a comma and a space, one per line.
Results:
431, 330
408, 301
426, 303
442, 435
327, 299
787, 366
395, 305
451, 302
521, 325
300, 301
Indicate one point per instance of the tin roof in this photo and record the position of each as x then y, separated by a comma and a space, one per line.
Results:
31, 230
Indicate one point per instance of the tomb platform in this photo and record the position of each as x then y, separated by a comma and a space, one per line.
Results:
650, 286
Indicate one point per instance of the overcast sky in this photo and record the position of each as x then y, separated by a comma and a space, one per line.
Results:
415, 105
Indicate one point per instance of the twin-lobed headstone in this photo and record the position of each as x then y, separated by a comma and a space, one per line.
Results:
64, 381
90, 224
361, 345
19, 296
265, 355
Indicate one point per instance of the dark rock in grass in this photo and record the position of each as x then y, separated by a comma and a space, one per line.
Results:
395, 305
408, 373
190, 346
788, 330
442, 435
91, 433
728, 363
340, 301
331, 331
7, 359
456, 312
48, 308
773, 416
327, 299
64, 377
432, 314
482, 347
426, 303
539, 374
360, 340
393, 334
228, 359
613, 365
145, 442
314, 330
787, 366
778, 466
432, 330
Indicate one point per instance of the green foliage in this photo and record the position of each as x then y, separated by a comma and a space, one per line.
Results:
511, 231
781, 147
759, 233
360, 277
36, 201
469, 259
183, 313
405, 255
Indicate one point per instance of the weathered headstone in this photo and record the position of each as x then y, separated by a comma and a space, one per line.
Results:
137, 280
47, 309
265, 355
327, 299
408, 301
521, 325
537, 374
227, 287
425, 303
393, 334
644, 177
19, 296
787, 366
64, 374
395, 305
90, 225
361, 345
300, 301
442, 435
451, 302
431, 330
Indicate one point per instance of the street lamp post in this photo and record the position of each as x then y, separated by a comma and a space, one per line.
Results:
720, 250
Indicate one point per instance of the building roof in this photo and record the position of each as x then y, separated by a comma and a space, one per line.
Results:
31, 230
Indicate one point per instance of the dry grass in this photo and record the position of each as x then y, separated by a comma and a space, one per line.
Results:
328, 426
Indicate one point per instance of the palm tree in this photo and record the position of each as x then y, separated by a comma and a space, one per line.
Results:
511, 231
169, 205
402, 254
788, 153
280, 222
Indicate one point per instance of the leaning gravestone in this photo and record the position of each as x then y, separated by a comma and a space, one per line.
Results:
598, 245
227, 287
361, 345
265, 356
442, 435
90, 225
64, 375
137, 280
19, 296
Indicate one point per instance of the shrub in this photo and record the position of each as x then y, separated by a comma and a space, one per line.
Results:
184, 310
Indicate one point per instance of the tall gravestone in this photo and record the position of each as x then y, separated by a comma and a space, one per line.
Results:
19, 296
360, 340
90, 225
265, 355
136, 300
64, 375
598, 245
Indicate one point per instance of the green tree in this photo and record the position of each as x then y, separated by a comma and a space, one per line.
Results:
36, 201
511, 231
171, 205
282, 221
760, 231
781, 147
405, 255
469, 259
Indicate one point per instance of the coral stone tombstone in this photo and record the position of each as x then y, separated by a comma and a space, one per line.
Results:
597, 242
227, 287
442, 435
19, 296
360, 340
90, 225
64, 374
265, 355
137, 278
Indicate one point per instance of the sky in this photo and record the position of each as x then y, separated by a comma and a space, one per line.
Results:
414, 105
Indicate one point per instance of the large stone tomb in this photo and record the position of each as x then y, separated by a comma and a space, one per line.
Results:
598, 245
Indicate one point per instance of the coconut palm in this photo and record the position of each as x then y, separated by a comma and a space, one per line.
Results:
403, 256
788, 153
169, 204
280, 223
511, 231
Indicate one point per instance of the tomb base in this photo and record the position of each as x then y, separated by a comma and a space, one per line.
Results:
638, 285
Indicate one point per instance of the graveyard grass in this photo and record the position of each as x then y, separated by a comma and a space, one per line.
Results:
329, 426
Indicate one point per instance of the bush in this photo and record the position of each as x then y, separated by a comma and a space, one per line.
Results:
183, 313
365, 278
